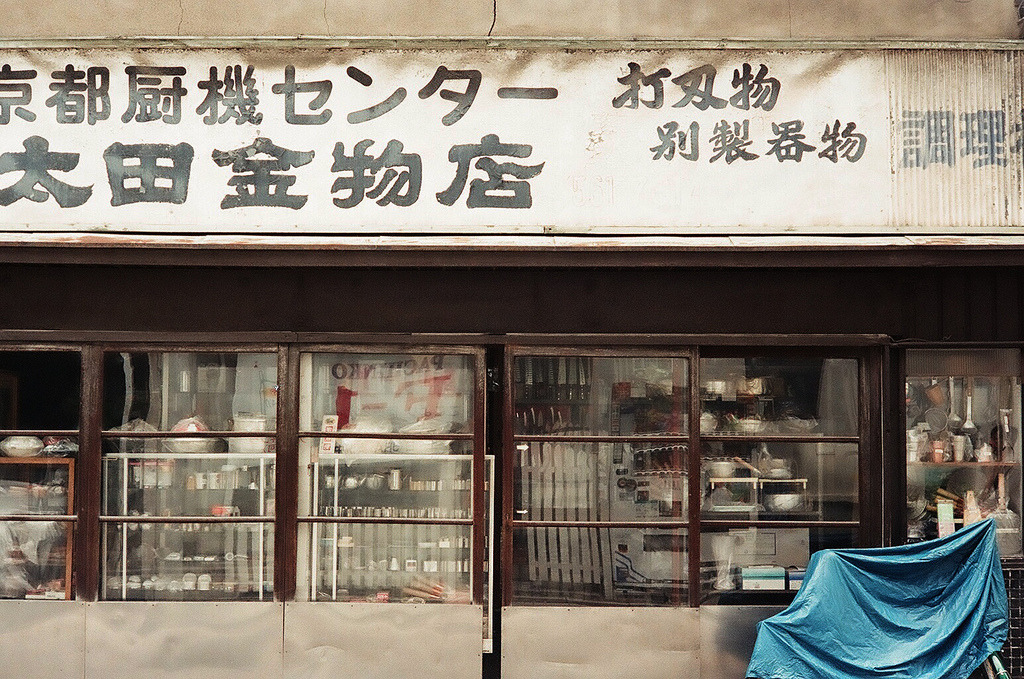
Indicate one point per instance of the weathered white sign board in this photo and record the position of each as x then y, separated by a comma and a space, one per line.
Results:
350, 141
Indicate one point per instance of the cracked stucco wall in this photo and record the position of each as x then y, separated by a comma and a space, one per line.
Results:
701, 19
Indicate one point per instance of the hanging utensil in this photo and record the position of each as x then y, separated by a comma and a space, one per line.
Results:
969, 427
954, 421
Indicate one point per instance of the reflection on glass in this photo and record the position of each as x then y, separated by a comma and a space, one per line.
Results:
779, 480
389, 393
392, 563
610, 396
759, 395
963, 441
189, 392
40, 389
600, 566
398, 487
36, 487
35, 559
188, 485
741, 565
600, 481
192, 561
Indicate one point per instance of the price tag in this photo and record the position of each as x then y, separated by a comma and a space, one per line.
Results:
330, 425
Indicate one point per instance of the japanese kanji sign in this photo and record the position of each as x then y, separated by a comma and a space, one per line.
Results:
424, 141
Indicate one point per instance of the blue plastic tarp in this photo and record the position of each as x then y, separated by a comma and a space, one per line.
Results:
934, 609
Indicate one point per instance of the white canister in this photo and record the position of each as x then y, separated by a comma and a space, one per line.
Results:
249, 422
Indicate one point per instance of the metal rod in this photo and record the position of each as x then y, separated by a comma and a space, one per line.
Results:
186, 519
381, 520
599, 524
397, 436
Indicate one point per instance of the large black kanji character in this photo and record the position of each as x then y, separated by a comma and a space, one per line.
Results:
671, 137
149, 98
15, 94
145, 180
634, 80
37, 162
513, 194
256, 182
731, 142
236, 94
80, 95
289, 88
463, 100
763, 90
848, 144
698, 86
361, 175
789, 144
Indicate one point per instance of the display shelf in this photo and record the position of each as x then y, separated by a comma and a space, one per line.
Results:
27, 470
169, 455
963, 404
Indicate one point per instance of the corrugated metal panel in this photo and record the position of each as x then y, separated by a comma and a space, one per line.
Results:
370, 641
600, 643
956, 135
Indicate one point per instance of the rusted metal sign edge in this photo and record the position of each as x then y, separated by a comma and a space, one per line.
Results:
512, 251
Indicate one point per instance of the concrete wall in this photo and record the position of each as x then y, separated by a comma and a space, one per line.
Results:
703, 19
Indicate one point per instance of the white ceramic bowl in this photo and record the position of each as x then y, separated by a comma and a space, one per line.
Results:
721, 468
783, 502
21, 446
190, 445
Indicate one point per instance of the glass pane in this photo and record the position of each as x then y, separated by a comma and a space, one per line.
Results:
34, 560
609, 396
388, 393
188, 485
391, 563
963, 443
36, 487
779, 481
762, 395
595, 566
394, 486
188, 392
600, 481
204, 562
40, 389
758, 565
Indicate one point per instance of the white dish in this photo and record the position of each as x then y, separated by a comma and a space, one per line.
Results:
21, 446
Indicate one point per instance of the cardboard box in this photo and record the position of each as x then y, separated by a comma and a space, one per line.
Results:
796, 577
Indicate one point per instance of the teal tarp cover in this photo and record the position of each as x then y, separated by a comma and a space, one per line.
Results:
933, 609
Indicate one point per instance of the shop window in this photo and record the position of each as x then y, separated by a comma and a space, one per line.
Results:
393, 477
963, 417
617, 499
599, 479
188, 475
780, 444
39, 434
